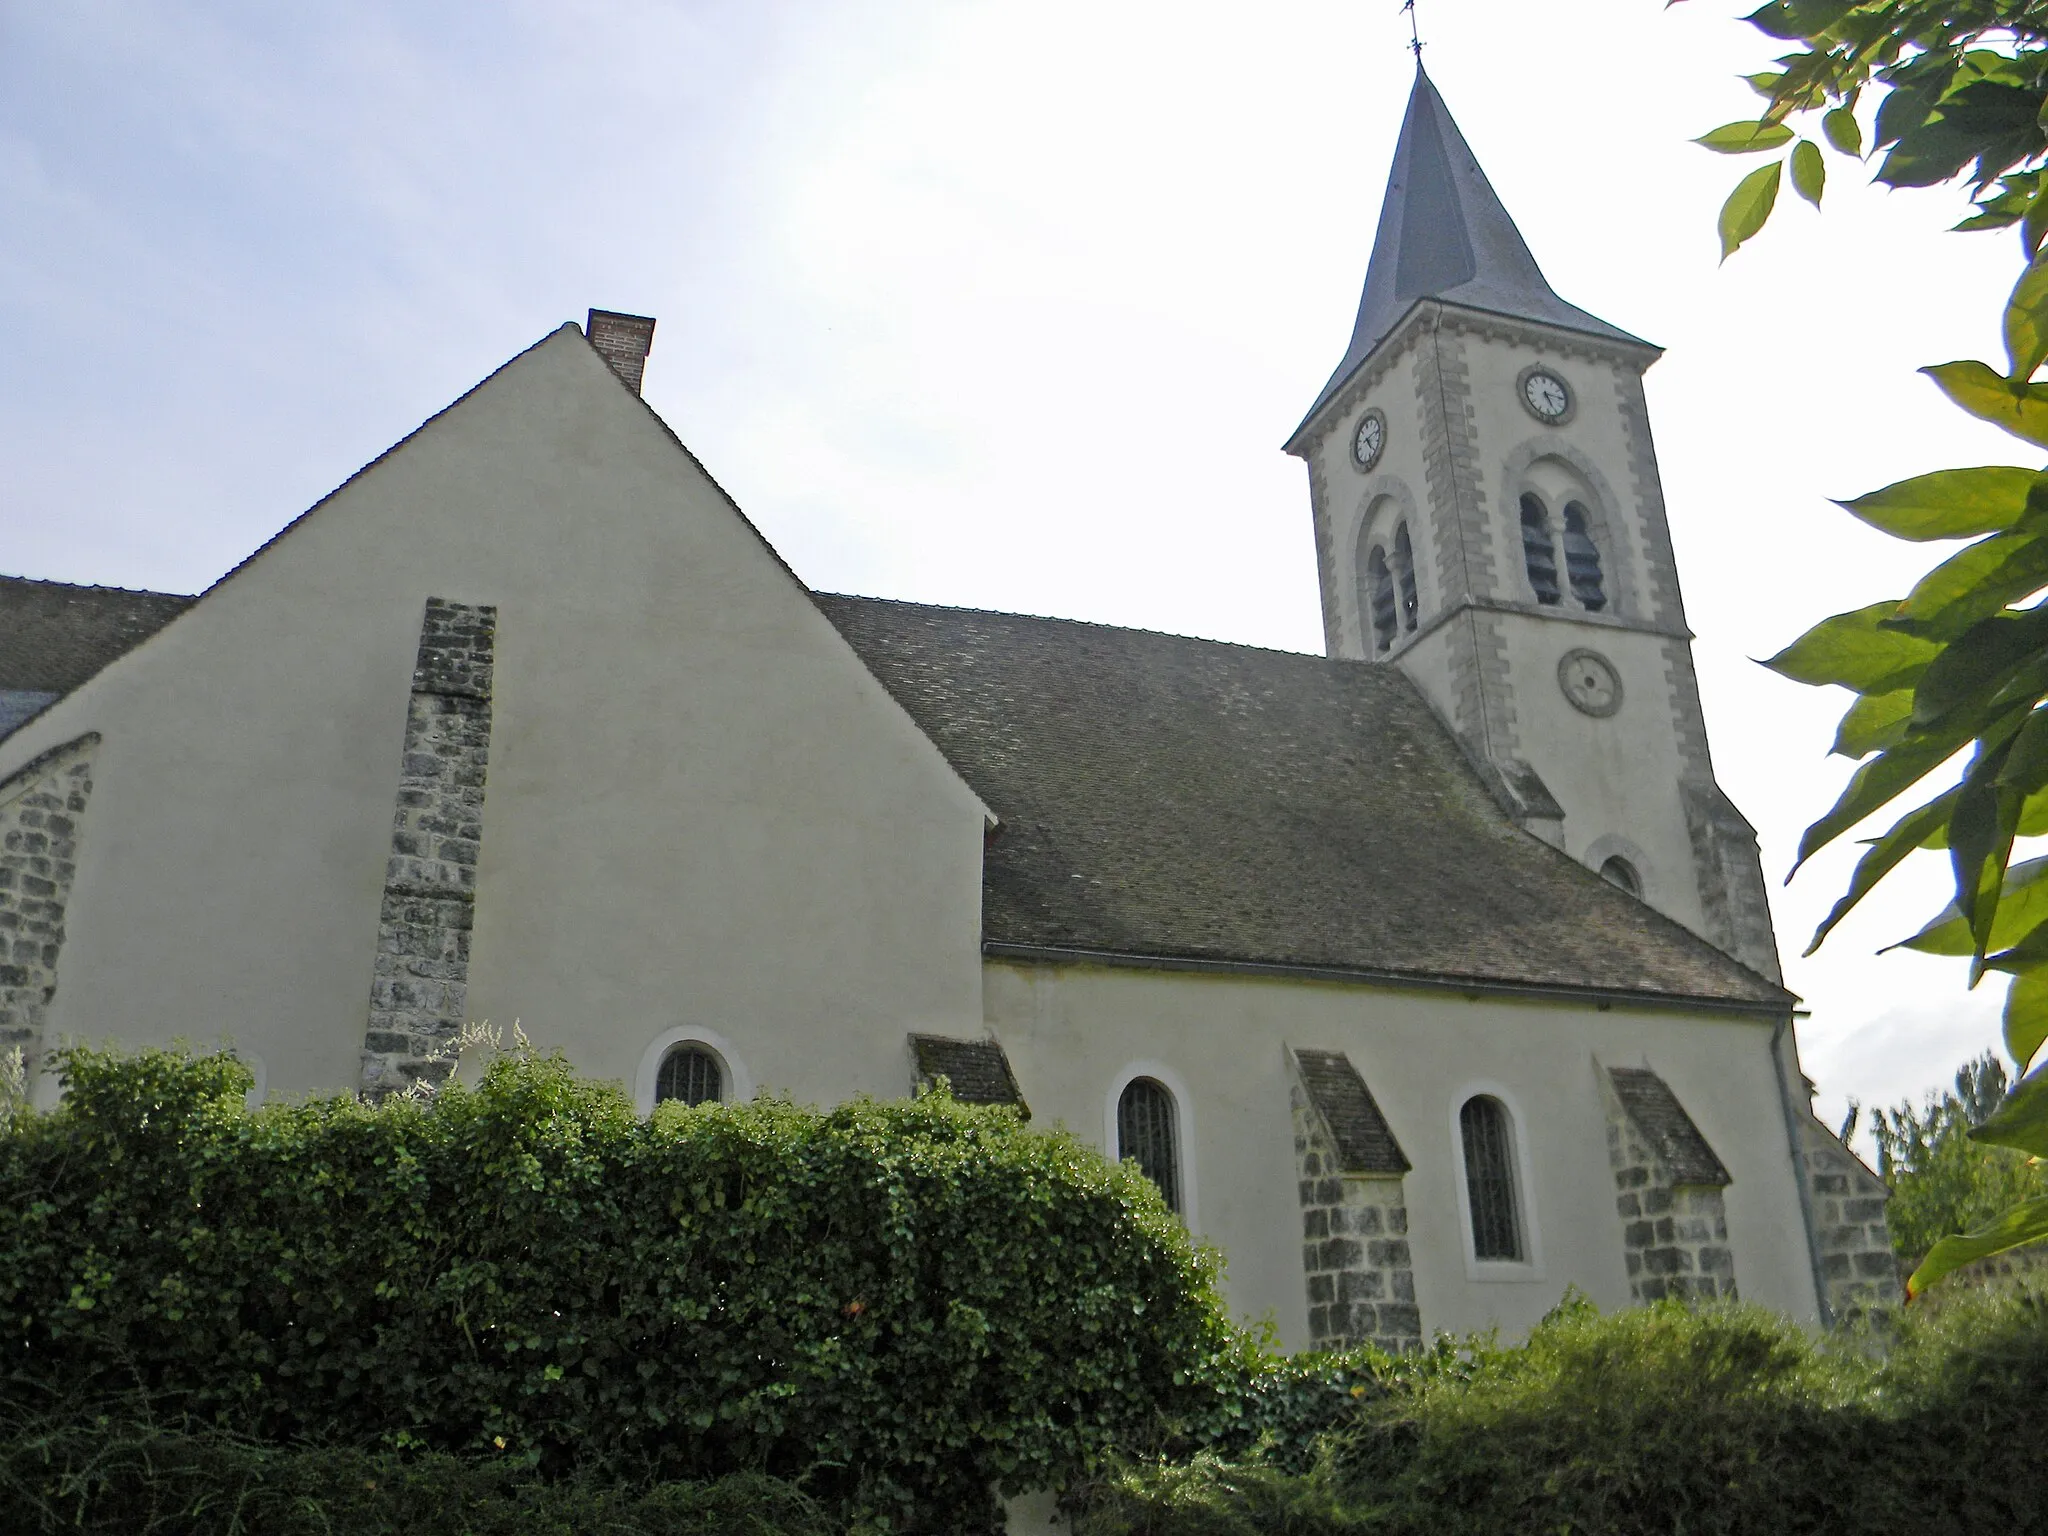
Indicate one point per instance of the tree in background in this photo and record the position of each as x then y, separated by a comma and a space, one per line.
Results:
1942, 1182
1950, 90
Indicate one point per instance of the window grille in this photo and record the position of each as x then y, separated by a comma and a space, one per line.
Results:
1582, 559
1618, 871
1490, 1180
691, 1075
1404, 573
1538, 553
1146, 1134
1381, 581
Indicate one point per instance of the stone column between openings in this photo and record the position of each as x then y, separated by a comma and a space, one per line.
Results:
1858, 1271
1355, 1254
419, 992
41, 808
1674, 1236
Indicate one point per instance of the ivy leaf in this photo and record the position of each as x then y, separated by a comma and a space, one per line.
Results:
1809, 172
1745, 138
1748, 206
2026, 1222
2026, 321
1950, 503
1853, 651
1843, 131
2022, 409
1873, 722
2022, 1120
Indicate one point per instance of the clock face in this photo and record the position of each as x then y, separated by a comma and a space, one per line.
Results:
1370, 439
1546, 395
1590, 682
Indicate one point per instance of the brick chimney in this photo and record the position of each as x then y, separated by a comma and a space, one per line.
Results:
624, 340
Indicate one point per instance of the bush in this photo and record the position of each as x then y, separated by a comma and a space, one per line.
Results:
894, 1306
1726, 1420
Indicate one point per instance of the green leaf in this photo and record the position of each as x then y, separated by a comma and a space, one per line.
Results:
1745, 138
1873, 722
1852, 651
2022, 906
1843, 131
2026, 1014
2022, 409
2026, 321
1910, 831
2022, 1120
1974, 671
1875, 785
1950, 503
2025, 1223
1973, 584
1748, 206
1809, 172
1798, 19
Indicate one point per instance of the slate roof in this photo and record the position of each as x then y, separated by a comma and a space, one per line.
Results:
977, 1071
1444, 234
1189, 800
1666, 1126
54, 636
1365, 1142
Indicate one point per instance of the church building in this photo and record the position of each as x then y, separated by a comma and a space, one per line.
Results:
1425, 977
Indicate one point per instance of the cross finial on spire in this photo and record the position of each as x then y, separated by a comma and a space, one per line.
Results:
1414, 33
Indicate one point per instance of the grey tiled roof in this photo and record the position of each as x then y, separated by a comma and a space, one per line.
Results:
1666, 1126
1443, 234
977, 1071
54, 636
1189, 800
1365, 1142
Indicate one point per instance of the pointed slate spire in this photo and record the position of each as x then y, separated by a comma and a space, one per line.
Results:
1444, 235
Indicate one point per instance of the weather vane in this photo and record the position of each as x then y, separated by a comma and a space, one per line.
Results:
1414, 35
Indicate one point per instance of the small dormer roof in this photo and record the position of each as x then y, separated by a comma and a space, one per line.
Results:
1445, 235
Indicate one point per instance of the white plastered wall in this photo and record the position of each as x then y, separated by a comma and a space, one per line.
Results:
1071, 1030
702, 811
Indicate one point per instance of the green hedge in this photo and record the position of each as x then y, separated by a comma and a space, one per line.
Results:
1727, 1421
893, 1305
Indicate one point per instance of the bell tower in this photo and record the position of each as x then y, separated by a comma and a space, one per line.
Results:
1488, 518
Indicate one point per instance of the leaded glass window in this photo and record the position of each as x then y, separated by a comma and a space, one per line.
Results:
1582, 559
1146, 1133
1539, 554
690, 1075
1490, 1180
1404, 573
1381, 582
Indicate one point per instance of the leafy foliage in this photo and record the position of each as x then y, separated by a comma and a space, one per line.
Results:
894, 1306
1958, 667
1725, 1419
1944, 1184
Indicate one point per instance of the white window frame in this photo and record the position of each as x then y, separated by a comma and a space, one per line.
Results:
1183, 1125
1530, 1267
739, 1083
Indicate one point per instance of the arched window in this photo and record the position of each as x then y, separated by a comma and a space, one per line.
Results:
1404, 575
1618, 871
1538, 553
1146, 1132
1490, 1180
690, 1075
1380, 580
1582, 559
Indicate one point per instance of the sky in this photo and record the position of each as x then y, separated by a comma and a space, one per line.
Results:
986, 303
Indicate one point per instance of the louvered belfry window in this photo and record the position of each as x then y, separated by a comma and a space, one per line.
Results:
1404, 573
1539, 555
1381, 580
1146, 1133
691, 1075
1582, 559
1490, 1180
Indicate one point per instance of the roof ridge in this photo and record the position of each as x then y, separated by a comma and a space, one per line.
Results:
93, 586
